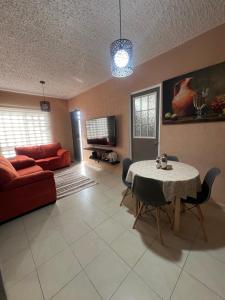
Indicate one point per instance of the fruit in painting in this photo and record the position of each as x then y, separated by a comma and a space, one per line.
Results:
174, 117
218, 104
168, 115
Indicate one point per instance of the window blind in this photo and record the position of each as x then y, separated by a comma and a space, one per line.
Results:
23, 127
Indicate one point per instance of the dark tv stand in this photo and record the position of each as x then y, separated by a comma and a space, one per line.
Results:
99, 154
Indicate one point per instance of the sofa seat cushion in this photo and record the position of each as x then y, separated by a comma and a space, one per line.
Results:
43, 163
22, 161
50, 163
29, 170
55, 163
7, 171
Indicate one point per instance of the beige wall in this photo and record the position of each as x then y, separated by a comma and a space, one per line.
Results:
201, 145
60, 119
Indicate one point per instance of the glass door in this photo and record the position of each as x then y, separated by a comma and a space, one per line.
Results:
145, 124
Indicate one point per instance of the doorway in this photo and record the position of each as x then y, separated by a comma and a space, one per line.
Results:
76, 131
145, 124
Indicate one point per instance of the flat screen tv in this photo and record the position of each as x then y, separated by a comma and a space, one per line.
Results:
101, 131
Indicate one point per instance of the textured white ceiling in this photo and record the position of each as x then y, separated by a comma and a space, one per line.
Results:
66, 42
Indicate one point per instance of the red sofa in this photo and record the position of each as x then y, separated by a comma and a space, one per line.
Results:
24, 187
49, 157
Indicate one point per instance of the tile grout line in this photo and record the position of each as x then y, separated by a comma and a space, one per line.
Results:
153, 241
132, 270
197, 279
36, 267
84, 270
182, 268
201, 282
73, 276
65, 284
181, 271
108, 244
120, 284
29, 243
92, 283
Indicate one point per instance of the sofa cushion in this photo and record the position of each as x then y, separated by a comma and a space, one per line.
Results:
50, 149
22, 161
43, 163
39, 152
50, 163
7, 171
29, 170
54, 163
34, 152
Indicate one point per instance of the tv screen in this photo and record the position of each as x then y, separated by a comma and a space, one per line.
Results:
101, 131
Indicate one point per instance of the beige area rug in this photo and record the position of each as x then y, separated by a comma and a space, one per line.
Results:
69, 181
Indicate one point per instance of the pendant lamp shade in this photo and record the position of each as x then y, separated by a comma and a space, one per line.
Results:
121, 58
121, 52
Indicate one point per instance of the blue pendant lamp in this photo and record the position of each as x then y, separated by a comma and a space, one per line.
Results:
121, 51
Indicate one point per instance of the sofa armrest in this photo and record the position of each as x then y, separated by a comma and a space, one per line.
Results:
65, 155
62, 152
29, 179
22, 161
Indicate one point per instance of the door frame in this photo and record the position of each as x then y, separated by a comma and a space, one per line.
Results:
78, 149
130, 114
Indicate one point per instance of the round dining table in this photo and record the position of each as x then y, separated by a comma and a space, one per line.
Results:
178, 181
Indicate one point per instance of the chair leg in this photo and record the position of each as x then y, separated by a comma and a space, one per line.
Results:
168, 216
124, 196
137, 207
201, 219
138, 214
158, 224
182, 207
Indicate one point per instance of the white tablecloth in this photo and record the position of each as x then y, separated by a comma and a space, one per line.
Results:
182, 181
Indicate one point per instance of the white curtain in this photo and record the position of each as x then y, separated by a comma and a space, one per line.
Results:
23, 127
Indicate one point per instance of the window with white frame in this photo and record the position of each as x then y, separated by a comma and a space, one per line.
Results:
144, 116
23, 127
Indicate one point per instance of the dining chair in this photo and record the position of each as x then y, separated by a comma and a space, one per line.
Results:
148, 193
172, 157
126, 164
202, 197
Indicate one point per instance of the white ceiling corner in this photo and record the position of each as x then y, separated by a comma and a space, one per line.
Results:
66, 43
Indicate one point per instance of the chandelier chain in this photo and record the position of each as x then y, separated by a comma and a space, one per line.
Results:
120, 19
43, 88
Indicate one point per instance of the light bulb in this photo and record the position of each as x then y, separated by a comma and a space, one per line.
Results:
121, 58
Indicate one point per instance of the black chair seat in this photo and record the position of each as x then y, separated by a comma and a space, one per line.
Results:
203, 196
148, 192
190, 200
126, 164
172, 158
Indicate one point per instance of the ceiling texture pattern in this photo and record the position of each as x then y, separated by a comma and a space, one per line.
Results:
66, 42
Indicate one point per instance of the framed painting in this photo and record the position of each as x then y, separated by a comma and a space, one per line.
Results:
198, 96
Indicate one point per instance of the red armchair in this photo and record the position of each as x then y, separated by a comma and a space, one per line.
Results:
23, 190
49, 157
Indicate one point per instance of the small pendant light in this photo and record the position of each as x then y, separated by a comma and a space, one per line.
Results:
45, 105
121, 51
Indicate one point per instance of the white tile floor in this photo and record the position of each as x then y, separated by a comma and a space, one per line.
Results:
84, 248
